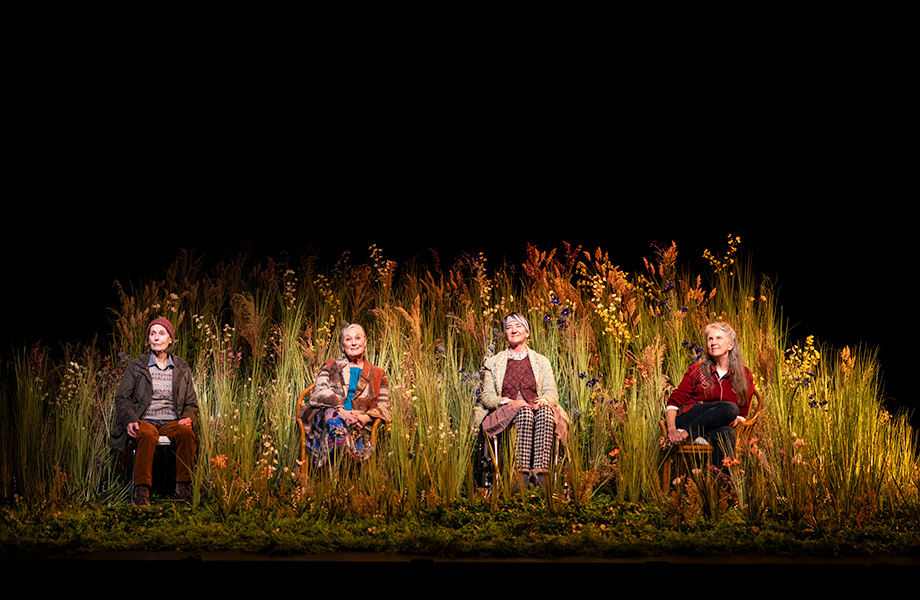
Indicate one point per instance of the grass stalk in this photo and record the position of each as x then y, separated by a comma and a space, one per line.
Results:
256, 332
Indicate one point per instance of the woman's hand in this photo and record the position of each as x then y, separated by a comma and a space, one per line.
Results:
186, 421
132, 429
353, 416
677, 436
540, 402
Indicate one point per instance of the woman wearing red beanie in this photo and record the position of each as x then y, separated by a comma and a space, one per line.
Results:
157, 397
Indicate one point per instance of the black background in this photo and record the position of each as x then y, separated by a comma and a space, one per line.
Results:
118, 164
840, 274
129, 138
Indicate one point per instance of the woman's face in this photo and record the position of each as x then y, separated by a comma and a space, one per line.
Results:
159, 339
718, 343
354, 342
515, 333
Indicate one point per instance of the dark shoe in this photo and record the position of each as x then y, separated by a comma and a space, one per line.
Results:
141, 495
184, 492
540, 478
520, 481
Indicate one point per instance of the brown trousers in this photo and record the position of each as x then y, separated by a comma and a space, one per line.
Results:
182, 437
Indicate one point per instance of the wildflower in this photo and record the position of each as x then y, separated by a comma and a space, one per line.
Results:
219, 462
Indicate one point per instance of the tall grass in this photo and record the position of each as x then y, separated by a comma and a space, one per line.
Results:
255, 332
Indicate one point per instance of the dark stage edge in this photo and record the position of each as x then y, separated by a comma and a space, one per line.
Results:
206, 571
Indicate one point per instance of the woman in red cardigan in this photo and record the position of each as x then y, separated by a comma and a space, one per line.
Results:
713, 394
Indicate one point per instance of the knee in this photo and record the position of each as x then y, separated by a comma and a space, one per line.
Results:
184, 432
146, 431
731, 410
524, 416
734, 411
544, 414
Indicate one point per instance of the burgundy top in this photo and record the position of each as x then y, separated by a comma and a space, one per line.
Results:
519, 381
698, 386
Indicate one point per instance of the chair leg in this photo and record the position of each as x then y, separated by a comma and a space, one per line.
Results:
666, 472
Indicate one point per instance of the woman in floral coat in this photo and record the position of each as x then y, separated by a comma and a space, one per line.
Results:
349, 393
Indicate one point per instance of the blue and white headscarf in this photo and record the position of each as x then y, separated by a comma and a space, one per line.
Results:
516, 317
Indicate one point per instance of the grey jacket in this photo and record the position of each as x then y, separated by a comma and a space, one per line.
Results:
135, 393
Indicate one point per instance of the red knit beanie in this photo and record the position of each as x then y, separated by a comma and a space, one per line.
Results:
165, 323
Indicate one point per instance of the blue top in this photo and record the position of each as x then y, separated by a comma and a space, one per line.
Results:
352, 386
153, 361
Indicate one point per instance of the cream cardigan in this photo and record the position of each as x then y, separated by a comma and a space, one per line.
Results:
500, 413
494, 375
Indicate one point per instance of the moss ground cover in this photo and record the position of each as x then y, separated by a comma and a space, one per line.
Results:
828, 470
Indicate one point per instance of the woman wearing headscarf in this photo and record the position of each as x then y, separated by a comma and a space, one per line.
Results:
519, 388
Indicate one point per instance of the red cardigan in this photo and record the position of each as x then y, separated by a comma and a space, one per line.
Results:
696, 387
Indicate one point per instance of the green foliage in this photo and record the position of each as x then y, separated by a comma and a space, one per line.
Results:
825, 453
519, 528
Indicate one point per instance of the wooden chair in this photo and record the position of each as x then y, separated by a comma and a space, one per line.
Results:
299, 406
698, 454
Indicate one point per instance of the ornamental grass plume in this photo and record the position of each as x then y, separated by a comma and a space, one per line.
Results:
618, 343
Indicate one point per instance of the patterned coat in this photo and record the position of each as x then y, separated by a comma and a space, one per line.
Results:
372, 395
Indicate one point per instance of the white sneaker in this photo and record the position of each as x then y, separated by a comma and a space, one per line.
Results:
700, 441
